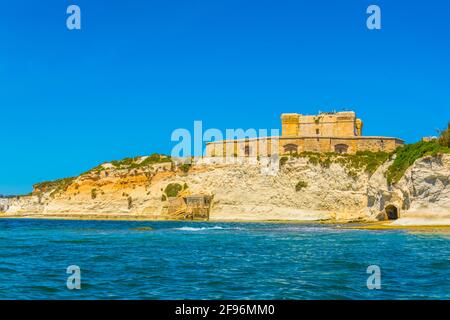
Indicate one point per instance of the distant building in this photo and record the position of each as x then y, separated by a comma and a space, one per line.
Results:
339, 132
428, 139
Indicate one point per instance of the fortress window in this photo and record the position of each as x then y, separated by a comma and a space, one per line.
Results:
290, 148
341, 148
317, 131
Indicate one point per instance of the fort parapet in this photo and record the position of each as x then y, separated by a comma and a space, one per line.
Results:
339, 132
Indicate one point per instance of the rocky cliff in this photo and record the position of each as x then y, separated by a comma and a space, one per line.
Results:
4, 204
422, 195
336, 188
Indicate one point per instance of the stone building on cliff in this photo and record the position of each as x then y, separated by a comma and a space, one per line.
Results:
339, 132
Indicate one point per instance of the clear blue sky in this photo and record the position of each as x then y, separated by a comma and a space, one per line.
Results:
139, 69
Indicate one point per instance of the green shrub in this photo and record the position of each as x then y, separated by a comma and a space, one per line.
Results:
314, 160
185, 167
155, 158
95, 170
300, 185
93, 194
326, 163
126, 162
283, 161
163, 197
172, 189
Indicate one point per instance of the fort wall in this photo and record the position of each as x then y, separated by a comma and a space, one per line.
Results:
339, 132
292, 145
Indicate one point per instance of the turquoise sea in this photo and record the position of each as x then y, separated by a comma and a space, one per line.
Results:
184, 260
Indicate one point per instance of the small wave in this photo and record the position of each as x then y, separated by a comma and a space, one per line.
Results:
204, 228
305, 229
73, 241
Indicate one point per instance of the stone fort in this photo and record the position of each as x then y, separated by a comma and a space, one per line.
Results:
338, 132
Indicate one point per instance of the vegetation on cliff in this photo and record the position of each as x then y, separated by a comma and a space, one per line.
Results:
137, 162
406, 155
369, 162
61, 185
54, 186
354, 163
172, 189
133, 163
283, 161
300, 185
185, 167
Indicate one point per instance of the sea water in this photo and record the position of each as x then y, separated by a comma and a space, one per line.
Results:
188, 260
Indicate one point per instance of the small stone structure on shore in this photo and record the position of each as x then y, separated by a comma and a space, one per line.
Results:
190, 207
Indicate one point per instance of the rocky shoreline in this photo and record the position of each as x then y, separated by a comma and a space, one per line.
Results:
333, 191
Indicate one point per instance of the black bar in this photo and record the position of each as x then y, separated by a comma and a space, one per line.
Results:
226, 309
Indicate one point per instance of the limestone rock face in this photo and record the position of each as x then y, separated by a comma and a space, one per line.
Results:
300, 190
243, 192
425, 191
4, 204
426, 185
422, 196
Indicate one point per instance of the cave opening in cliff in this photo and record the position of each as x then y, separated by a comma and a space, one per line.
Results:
392, 212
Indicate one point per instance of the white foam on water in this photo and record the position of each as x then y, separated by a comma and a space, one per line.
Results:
204, 228
305, 229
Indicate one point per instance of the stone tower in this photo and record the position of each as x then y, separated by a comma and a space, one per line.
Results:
290, 124
325, 124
